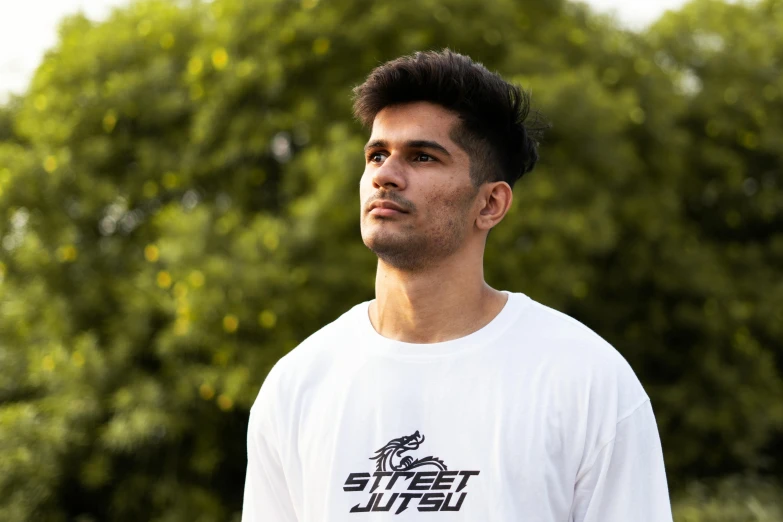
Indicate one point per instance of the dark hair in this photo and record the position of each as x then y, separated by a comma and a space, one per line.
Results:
501, 145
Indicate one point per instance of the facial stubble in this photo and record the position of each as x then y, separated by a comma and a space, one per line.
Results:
406, 246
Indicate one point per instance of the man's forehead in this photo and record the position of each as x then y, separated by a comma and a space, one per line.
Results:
413, 121
421, 111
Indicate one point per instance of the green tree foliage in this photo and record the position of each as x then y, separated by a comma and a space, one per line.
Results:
736, 499
725, 294
179, 208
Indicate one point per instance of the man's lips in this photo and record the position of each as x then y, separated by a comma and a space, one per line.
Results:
382, 211
385, 208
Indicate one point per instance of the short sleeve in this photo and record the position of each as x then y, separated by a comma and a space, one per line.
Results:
266, 496
626, 480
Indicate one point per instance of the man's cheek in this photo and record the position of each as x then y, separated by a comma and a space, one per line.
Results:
365, 186
363, 191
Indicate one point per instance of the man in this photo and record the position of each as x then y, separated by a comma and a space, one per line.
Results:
444, 399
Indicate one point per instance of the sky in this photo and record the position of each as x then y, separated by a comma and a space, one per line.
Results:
29, 27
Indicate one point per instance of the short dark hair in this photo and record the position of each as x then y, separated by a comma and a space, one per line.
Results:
501, 144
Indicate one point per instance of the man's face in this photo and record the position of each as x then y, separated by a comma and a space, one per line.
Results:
412, 164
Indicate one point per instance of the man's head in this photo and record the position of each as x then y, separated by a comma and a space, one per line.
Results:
449, 140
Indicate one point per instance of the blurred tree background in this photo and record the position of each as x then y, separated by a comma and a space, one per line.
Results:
179, 208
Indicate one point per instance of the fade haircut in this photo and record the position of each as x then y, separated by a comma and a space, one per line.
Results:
493, 131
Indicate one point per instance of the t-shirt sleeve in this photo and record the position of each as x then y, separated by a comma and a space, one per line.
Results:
267, 495
627, 479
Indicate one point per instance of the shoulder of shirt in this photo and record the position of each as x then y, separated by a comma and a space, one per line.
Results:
579, 351
567, 334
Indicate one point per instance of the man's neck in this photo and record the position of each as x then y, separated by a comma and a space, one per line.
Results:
439, 304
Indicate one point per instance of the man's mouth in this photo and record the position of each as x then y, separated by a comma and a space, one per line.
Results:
385, 212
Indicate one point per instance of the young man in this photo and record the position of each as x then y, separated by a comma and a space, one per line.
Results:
444, 399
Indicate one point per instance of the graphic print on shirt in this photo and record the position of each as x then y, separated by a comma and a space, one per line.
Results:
393, 450
393, 473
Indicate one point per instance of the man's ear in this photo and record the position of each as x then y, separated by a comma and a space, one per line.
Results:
496, 198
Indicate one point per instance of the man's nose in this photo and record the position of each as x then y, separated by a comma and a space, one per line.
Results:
391, 174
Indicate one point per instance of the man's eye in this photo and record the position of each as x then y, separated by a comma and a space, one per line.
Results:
424, 158
375, 157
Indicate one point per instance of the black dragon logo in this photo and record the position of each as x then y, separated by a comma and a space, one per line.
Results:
389, 457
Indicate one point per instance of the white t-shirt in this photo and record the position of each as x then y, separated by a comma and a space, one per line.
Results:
533, 418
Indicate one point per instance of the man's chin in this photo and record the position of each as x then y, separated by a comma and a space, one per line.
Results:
399, 252
385, 245
381, 237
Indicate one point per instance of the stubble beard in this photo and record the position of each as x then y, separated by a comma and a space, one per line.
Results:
415, 250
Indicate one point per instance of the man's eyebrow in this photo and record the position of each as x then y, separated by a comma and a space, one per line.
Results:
412, 144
